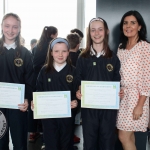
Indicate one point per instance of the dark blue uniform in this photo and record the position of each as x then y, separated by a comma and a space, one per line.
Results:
12, 72
98, 124
58, 131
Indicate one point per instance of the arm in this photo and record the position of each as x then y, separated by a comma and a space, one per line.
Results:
144, 81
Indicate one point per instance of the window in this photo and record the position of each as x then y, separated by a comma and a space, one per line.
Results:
37, 14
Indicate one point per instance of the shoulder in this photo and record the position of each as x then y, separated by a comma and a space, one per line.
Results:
24, 50
114, 56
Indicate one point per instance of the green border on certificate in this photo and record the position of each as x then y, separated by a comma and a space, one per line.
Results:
11, 95
52, 104
100, 94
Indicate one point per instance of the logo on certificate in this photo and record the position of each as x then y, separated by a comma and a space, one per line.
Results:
69, 78
109, 67
3, 125
18, 62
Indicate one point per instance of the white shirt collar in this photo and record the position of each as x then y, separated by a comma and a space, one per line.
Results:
98, 54
9, 46
59, 68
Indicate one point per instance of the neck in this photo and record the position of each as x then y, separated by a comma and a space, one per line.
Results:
98, 47
8, 42
59, 65
133, 40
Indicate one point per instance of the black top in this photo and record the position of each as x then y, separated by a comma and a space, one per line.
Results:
98, 69
12, 73
65, 80
73, 56
39, 56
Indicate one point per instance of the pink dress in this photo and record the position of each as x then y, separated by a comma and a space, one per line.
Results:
135, 79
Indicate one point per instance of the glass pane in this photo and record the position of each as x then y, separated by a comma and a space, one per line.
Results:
37, 14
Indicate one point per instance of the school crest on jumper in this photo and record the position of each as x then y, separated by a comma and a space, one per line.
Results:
69, 78
109, 67
3, 125
18, 62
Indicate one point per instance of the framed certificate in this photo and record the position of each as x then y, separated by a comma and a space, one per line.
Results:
100, 95
11, 94
52, 104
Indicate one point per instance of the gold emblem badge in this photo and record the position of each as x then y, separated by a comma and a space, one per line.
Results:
49, 79
18, 62
69, 78
94, 63
109, 67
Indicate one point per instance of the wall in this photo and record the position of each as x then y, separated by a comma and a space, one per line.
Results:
113, 10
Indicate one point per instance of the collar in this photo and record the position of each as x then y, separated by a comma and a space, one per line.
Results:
9, 46
59, 68
92, 52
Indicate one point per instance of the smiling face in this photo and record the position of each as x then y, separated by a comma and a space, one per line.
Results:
60, 53
97, 32
10, 28
131, 27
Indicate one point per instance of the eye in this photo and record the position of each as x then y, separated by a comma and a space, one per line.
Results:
65, 51
6, 26
15, 27
92, 30
101, 29
124, 23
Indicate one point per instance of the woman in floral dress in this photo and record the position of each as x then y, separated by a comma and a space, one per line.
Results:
134, 55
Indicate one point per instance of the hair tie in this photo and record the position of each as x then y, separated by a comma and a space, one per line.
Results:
59, 40
96, 19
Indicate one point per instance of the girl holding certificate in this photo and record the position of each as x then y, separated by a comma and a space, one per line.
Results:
134, 55
98, 63
16, 67
58, 75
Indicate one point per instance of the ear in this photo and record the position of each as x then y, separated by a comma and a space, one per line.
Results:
139, 28
107, 31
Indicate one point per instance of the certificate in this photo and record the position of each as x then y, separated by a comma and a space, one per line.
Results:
51, 104
11, 94
100, 95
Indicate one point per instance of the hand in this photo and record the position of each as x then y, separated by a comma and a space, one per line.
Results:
121, 93
23, 107
78, 94
137, 112
74, 103
32, 106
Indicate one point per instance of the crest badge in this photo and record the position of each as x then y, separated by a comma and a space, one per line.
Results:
18, 62
3, 125
109, 67
69, 78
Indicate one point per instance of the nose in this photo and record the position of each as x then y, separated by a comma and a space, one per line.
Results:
96, 32
10, 29
60, 53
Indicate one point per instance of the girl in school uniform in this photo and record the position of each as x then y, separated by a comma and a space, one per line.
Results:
58, 131
39, 56
15, 67
98, 63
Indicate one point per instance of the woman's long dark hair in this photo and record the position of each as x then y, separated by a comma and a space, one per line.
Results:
47, 32
18, 38
89, 42
142, 33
